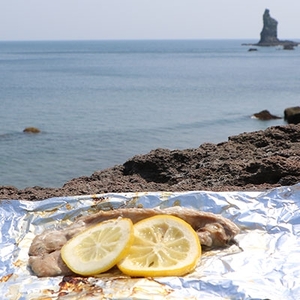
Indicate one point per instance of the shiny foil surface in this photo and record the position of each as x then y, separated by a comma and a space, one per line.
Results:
263, 264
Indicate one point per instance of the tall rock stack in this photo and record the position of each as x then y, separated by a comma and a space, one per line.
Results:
268, 34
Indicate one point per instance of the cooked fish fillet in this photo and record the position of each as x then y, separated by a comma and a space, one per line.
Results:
44, 253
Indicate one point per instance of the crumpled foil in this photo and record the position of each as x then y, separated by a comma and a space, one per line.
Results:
264, 264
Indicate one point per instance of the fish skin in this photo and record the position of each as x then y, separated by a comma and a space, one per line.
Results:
45, 260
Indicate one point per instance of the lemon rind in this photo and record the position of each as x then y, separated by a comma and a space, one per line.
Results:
180, 269
97, 267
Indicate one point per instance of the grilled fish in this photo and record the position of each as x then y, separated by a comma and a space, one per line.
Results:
44, 254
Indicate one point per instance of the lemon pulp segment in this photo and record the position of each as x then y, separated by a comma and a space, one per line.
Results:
98, 248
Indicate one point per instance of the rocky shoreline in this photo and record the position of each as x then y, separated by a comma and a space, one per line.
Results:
252, 161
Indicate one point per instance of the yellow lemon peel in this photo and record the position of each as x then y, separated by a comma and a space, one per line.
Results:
99, 248
163, 245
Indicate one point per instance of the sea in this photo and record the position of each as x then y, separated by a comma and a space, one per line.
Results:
99, 103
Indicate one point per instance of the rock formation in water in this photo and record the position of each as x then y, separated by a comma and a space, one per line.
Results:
268, 35
265, 115
292, 115
31, 130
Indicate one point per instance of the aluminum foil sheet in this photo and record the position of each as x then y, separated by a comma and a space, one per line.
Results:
265, 264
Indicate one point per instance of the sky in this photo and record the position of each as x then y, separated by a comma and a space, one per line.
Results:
144, 19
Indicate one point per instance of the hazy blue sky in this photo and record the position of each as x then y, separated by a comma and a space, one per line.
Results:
144, 19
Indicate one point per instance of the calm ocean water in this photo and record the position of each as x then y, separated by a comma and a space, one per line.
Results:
98, 103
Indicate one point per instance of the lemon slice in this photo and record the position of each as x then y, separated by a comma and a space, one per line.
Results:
163, 246
98, 248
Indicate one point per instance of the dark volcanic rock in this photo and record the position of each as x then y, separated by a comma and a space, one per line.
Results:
292, 115
31, 130
265, 115
249, 161
268, 35
289, 47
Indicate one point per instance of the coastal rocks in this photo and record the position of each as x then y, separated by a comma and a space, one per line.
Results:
292, 115
268, 35
289, 47
250, 161
31, 130
265, 115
